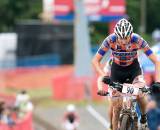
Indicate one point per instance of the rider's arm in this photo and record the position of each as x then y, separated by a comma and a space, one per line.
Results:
107, 67
96, 64
147, 50
98, 56
153, 58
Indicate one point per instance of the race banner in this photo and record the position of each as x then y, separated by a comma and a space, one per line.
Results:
96, 10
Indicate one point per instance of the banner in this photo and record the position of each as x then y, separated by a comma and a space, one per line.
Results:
97, 10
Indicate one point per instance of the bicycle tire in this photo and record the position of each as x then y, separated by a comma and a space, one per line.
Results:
125, 123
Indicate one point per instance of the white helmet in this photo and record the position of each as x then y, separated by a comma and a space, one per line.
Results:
123, 28
71, 108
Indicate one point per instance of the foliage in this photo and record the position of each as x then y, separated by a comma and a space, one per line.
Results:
15, 10
133, 8
152, 15
98, 32
148, 38
153, 19
133, 12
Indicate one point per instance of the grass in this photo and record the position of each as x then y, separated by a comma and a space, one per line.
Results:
50, 102
42, 97
34, 93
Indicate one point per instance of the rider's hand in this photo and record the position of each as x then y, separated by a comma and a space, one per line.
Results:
106, 80
102, 92
141, 94
115, 92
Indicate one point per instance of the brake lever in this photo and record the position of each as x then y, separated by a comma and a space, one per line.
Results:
118, 86
146, 90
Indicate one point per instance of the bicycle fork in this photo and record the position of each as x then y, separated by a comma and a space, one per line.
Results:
129, 108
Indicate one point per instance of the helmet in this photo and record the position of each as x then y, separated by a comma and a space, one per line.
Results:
71, 108
123, 28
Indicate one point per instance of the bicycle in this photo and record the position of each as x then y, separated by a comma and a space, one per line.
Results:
128, 117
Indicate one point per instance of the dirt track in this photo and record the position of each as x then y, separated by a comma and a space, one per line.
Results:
53, 117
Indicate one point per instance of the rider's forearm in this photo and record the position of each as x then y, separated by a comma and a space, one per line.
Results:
97, 67
157, 74
96, 64
154, 59
99, 70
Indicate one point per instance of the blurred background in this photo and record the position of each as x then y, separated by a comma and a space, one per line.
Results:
46, 47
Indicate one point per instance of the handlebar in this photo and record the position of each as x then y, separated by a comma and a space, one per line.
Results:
114, 85
118, 86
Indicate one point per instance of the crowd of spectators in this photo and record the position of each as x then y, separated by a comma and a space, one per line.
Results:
11, 113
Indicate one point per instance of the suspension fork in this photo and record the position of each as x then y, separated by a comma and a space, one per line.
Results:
129, 108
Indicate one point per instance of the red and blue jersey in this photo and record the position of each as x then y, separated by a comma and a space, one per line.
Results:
124, 55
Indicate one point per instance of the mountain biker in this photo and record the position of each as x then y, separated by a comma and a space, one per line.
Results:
124, 46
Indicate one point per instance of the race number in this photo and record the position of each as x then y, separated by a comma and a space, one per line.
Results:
130, 89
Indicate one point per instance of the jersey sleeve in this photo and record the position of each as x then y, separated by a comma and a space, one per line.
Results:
144, 46
104, 47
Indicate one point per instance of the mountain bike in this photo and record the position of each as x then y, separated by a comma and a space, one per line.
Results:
128, 117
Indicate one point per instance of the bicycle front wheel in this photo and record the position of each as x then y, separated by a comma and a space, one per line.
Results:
125, 123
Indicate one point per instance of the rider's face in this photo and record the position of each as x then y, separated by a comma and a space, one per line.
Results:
124, 41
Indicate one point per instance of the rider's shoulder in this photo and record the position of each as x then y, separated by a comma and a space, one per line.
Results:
135, 37
112, 37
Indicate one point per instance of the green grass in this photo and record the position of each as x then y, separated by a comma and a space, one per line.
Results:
34, 93
50, 102
42, 97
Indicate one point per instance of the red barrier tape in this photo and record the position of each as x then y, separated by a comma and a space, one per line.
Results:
69, 87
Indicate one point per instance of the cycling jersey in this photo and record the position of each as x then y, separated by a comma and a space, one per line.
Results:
124, 55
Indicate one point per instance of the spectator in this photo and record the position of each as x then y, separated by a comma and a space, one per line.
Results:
154, 108
70, 118
1, 109
23, 103
156, 35
6, 116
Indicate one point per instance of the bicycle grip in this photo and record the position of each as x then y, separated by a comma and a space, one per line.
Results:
107, 80
102, 93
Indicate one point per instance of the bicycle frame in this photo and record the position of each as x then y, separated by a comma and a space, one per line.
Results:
128, 93
129, 102
129, 107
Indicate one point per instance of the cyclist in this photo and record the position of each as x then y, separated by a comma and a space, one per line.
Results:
124, 46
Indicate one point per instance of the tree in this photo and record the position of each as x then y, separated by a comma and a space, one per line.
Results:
153, 19
133, 12
15, 10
